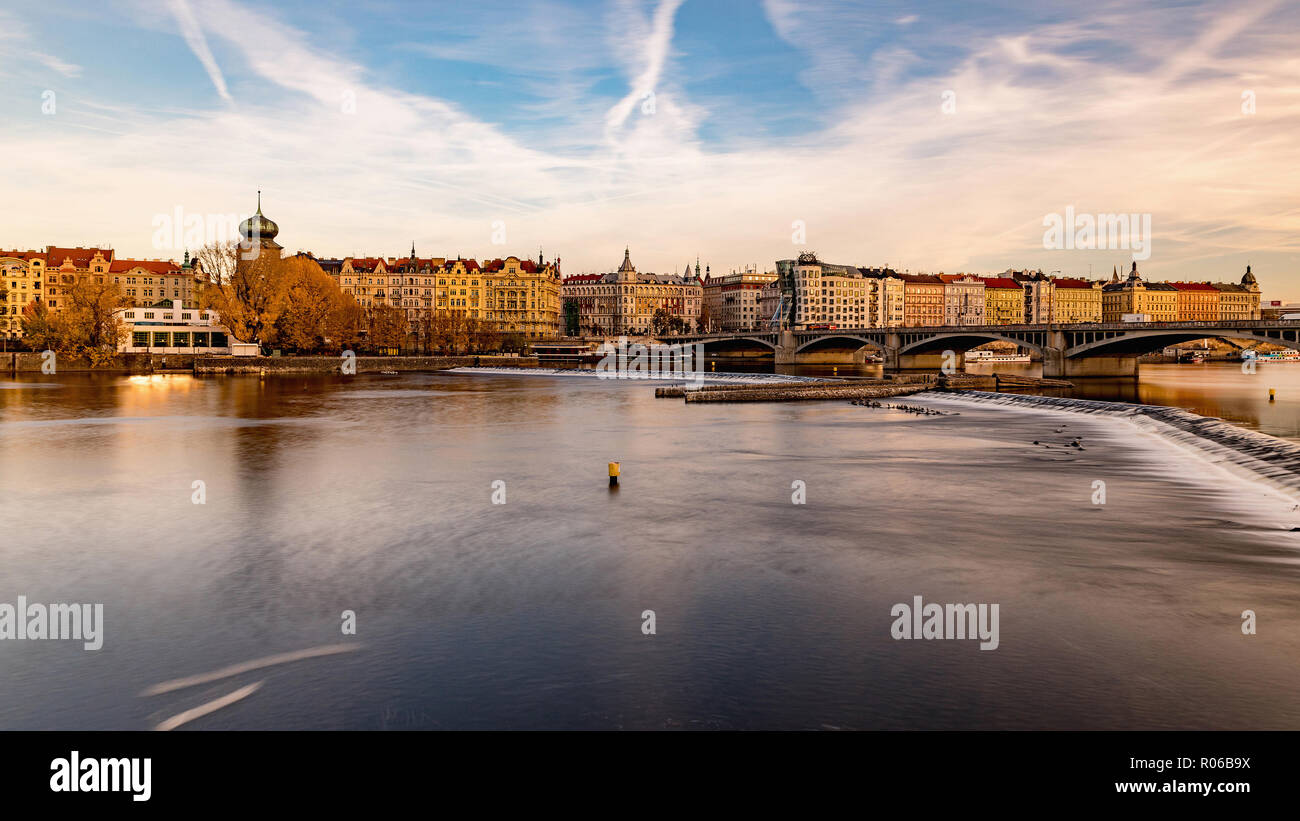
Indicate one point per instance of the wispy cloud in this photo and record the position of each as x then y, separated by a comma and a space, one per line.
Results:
1048, 114
193, 34
55, 64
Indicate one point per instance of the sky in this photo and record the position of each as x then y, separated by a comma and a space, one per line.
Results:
928, 136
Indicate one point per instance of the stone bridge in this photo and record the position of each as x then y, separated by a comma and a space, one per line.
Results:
1092, 349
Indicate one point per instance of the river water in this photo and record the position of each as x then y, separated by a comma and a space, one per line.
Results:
374, 494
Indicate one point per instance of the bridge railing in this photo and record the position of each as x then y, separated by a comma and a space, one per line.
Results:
1209, 325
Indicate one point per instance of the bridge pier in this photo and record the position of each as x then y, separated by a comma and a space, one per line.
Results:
785, 348
919, 361
1115, 367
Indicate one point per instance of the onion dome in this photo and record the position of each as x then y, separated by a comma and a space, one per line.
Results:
257, 226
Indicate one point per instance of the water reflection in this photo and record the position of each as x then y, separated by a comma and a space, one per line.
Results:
374, 494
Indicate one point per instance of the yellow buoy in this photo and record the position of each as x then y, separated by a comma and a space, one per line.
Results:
1272, 394
613, 473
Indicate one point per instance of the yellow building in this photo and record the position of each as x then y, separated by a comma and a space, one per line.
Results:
64, 266
521, 296
1197, 301
1004, 301
1157, 300
1076, 300
23, 274
1239, 302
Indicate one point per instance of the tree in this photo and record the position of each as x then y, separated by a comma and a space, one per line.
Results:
705, 321
388, 326
312, 319
514, 342
661, 321
43, 329
248, 294
347, 324
452, 331
91, 312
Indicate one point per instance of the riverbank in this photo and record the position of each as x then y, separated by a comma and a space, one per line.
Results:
143, 363
364, 364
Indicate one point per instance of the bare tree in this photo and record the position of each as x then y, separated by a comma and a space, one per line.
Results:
248, 294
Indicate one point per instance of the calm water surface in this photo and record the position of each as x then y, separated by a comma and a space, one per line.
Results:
374, 494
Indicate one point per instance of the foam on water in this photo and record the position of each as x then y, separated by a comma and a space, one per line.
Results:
1269, 467
723, 376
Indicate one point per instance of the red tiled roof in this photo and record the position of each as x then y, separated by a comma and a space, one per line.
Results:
81, 257
1071, 283
27, 255
1193, 286
153, 266
528, 265
1002, 282
922, 279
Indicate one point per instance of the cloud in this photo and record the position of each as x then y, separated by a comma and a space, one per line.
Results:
1048, 114
55, 64
198, 44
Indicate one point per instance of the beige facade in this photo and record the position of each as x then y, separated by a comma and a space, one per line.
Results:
923, 301
828, 294
149, 281
734, 301
625, 301
963, 299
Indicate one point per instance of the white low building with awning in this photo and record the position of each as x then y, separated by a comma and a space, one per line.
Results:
172, 328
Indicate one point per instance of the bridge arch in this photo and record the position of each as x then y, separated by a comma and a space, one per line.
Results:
1139, 342
963, 341
736, 343
821, 343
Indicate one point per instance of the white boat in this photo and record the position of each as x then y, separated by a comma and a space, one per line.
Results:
981, 357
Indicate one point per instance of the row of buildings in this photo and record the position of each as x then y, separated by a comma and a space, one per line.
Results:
809, 293
515, 295
46, 275
511, 295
